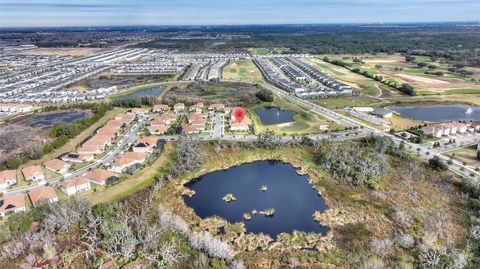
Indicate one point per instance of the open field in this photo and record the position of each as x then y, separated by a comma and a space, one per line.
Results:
400, 123
422, 79
367, 86
265, 51
395, 68
242, 70
466, 155
74, 52
228, 93
304, 122
341, 102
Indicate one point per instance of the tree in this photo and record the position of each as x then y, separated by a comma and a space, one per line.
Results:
13, 161
35, 151
407, 88
437, 163
188, 156
265, 95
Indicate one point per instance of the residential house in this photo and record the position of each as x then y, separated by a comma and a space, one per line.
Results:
125, 118
461, 127
216, 107
12, 204
75, 185
433, 131
158, 129
179, 107
139, 111
75, 157
57, 166
191, 129
160, 108
91, 149
128, 160
243, 126
101, 176
197, 108
7, 178
41, 195
147, 144
33, 173
194, 116
166, 119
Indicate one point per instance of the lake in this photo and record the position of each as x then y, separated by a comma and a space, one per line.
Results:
290, 194
56, 118
142, 93
440, 113
273, 115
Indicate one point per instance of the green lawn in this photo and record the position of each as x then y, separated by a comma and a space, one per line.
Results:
263, 52
463, 91
242, 70
422, 59
304, 122
329, 69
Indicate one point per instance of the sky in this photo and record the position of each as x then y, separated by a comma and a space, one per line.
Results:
24, 13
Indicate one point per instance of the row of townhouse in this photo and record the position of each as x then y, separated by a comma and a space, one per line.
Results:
141, 152
197, 119
16, 108
334, 86
451, 128
180, 107
161, 124
10, 204
104, 136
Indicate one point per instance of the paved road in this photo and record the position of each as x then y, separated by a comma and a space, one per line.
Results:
218, 125
120, 147
423, 151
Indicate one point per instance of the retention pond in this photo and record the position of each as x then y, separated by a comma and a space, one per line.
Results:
259, 186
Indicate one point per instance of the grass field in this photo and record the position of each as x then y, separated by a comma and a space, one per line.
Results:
304, 122
400, 123
366, 85
341, 102
138, 181
466, 155
242, 70
263, 51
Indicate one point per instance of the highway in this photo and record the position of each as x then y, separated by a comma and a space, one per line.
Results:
423, 150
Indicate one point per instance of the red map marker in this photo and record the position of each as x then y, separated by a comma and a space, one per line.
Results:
239, 114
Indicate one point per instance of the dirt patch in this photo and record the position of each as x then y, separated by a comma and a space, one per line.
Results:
380, 61
74, 52
422, 79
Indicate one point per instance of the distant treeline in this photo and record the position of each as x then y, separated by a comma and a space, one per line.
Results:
454, 43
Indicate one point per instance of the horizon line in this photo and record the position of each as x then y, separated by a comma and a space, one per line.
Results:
2, 28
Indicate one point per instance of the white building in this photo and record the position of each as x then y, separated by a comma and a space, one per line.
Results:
75, 185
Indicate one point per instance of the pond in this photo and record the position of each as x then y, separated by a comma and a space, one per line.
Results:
142, 93
290, 194
56, 118
440, 113
273, 115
